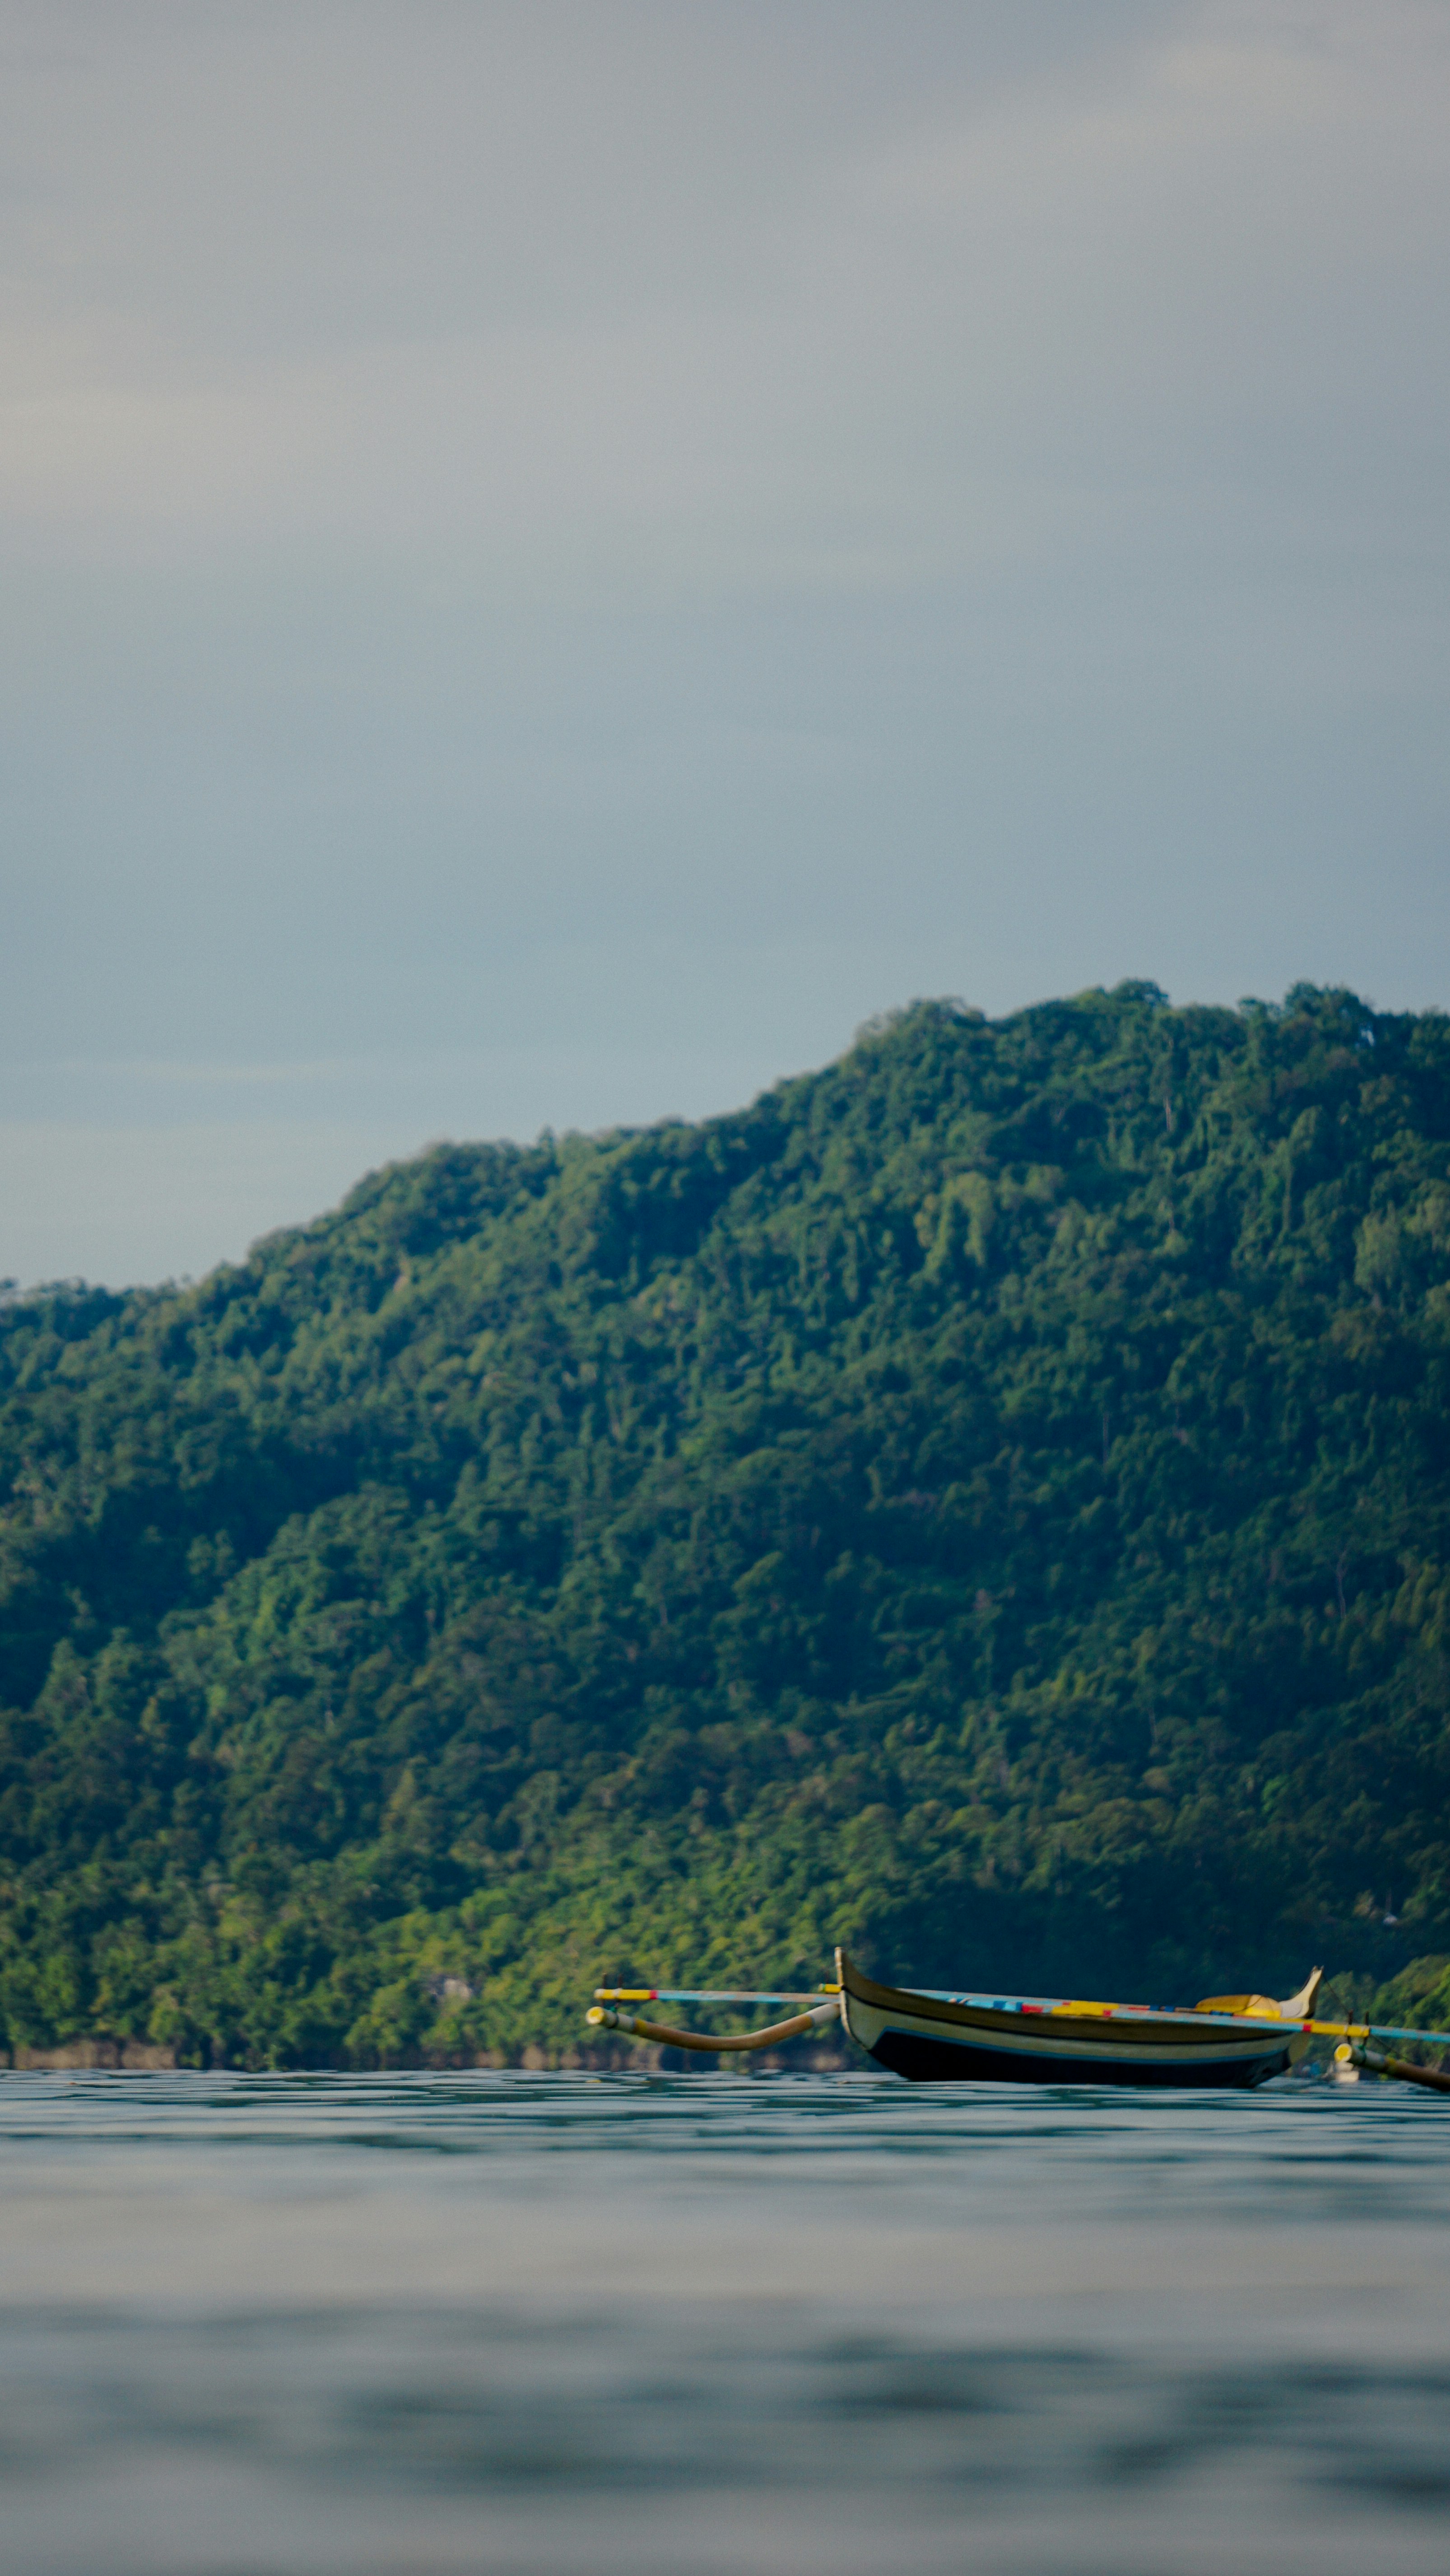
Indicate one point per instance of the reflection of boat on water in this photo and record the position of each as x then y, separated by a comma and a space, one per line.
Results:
1015, 2039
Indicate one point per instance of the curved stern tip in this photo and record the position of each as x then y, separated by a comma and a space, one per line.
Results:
1263, 2007
1300, 2007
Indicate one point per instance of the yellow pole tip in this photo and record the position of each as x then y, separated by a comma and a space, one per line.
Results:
595, 2013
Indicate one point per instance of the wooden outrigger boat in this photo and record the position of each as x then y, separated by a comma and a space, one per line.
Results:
932, 2035
1028, 2039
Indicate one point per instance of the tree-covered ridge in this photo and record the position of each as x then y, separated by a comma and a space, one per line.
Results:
987, 1499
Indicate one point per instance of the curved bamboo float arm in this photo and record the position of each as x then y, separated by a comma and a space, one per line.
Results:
1432, 2077
605, 2017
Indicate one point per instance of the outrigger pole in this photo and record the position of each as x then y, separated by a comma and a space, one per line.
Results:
1355, 2052
606, 2016
814, 2018
710, 1994
1352, 2050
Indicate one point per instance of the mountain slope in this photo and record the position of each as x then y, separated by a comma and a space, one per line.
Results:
990, 1499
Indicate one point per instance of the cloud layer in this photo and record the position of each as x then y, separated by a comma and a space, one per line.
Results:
632, 538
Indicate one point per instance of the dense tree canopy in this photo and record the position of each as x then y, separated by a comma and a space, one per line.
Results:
987, 1500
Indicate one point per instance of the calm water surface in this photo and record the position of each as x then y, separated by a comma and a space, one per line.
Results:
570, 2325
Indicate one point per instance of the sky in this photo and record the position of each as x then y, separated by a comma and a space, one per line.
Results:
556, 557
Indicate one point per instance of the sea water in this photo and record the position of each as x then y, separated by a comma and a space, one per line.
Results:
563, 2325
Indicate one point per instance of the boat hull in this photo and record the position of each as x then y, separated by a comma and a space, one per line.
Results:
935, 2040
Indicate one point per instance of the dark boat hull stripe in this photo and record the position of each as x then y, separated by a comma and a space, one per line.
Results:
936, 2061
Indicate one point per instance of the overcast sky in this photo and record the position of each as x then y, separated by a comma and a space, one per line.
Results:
560, 555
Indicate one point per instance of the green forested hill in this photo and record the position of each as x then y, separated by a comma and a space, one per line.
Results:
990, 1500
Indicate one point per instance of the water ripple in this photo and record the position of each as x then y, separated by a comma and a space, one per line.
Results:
291, 2325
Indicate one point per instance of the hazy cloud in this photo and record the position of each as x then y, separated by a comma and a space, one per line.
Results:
636, 535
